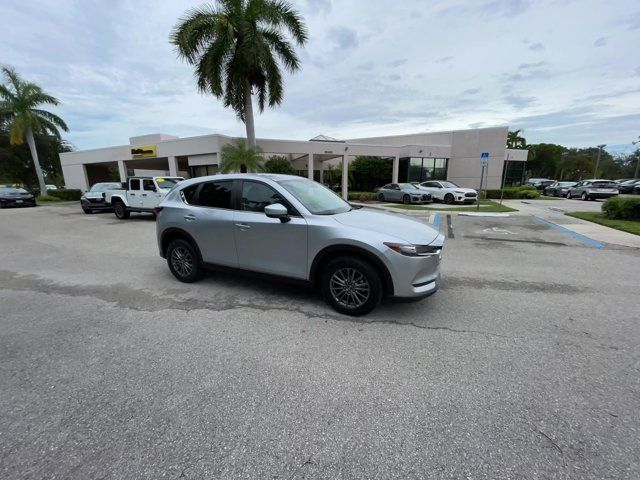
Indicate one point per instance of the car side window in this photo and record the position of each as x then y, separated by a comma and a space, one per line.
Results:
215, 194
188, 194
147, 184
387, 186
134, 184
395, 186
256, 196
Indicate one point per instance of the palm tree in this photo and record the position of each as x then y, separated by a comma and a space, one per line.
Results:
514, 140
238, 157
18, 102
234, 46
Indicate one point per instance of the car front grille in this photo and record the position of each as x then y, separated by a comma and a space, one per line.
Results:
470, 194
96, 200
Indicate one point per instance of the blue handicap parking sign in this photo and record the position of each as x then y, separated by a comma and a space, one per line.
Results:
484, 155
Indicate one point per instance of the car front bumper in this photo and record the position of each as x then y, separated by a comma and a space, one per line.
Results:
89, 205
414, 277
17, 203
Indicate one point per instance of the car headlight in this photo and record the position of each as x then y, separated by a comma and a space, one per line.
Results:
458, 191
414, 250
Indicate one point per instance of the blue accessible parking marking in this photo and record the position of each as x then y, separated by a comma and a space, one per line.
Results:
562, 229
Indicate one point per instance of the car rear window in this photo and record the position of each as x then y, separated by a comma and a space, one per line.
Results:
215, 194
603, 185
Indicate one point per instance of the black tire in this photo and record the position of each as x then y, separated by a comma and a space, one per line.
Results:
121, 211
449, 199
364, 289
183, 261
406, 199
381, 197
87, 211
584, 196
569, 195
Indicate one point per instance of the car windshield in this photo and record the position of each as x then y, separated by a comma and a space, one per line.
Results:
316, 198
12, 191
168, 182
566, 184
408, 186
101, 187
449, 185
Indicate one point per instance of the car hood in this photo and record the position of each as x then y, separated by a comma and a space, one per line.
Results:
396, 225
13, 196
93, 194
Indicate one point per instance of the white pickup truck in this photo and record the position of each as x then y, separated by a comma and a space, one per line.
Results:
142, 194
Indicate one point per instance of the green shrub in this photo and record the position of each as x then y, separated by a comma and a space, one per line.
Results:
622, 208
46, 198
279, 164
362, 196
511, 193
68, 194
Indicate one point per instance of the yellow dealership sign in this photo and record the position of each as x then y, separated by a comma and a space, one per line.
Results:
144, 151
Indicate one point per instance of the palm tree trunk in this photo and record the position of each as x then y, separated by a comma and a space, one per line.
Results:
36, 163
248, 116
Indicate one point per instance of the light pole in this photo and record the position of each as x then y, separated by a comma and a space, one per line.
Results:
600, 147
638, 159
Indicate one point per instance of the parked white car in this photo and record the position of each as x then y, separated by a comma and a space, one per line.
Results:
449, 192
143, 194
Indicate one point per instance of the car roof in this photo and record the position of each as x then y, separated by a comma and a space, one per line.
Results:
275, 177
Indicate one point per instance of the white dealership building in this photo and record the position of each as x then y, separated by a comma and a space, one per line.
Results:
452, 155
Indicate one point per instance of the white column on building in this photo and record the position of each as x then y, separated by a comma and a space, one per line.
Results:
173, 166
122, 169
310, 167
396, 169
345, 176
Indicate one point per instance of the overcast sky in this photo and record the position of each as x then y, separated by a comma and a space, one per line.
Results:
563, 71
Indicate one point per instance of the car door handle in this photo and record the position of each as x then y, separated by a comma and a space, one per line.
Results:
132, 194
144, 194
190, 218
243, 226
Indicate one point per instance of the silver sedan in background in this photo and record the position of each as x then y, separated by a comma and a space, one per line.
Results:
406, 193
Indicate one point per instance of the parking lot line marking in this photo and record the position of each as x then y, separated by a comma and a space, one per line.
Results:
560, 228
449, 227
436, 220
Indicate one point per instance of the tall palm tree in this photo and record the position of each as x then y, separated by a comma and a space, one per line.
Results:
235, 46
18, 102
514, 140
238, 157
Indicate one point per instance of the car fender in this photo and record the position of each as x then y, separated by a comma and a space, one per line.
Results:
119, 198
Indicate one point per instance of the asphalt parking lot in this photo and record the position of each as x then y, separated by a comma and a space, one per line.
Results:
526, 364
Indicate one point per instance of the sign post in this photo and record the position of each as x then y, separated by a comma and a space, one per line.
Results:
484, 163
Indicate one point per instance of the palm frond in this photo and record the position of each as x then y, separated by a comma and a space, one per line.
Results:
54, 119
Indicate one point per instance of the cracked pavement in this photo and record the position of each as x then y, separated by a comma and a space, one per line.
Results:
524, 365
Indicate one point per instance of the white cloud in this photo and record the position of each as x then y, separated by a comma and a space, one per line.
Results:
368, 69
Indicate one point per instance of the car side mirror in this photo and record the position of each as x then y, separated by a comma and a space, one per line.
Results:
277, 210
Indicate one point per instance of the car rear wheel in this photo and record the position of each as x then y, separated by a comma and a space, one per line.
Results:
183, 261
406, 199
381, 197
448, 198
121, 211
351, 286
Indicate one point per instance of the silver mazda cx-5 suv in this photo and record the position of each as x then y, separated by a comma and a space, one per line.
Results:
289, 226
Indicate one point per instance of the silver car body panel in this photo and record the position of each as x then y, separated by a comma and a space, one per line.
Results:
255, 242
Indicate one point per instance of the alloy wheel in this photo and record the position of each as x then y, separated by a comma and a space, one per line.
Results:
349, 288
182, 261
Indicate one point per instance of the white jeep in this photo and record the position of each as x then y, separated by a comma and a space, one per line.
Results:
139, 194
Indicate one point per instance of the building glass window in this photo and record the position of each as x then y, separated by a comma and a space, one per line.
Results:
419, 169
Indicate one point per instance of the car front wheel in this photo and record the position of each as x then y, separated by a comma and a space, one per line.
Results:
351, 286
569, 195
183, 262
448, 199
121, 211
381, 197
584, 196
406, 199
